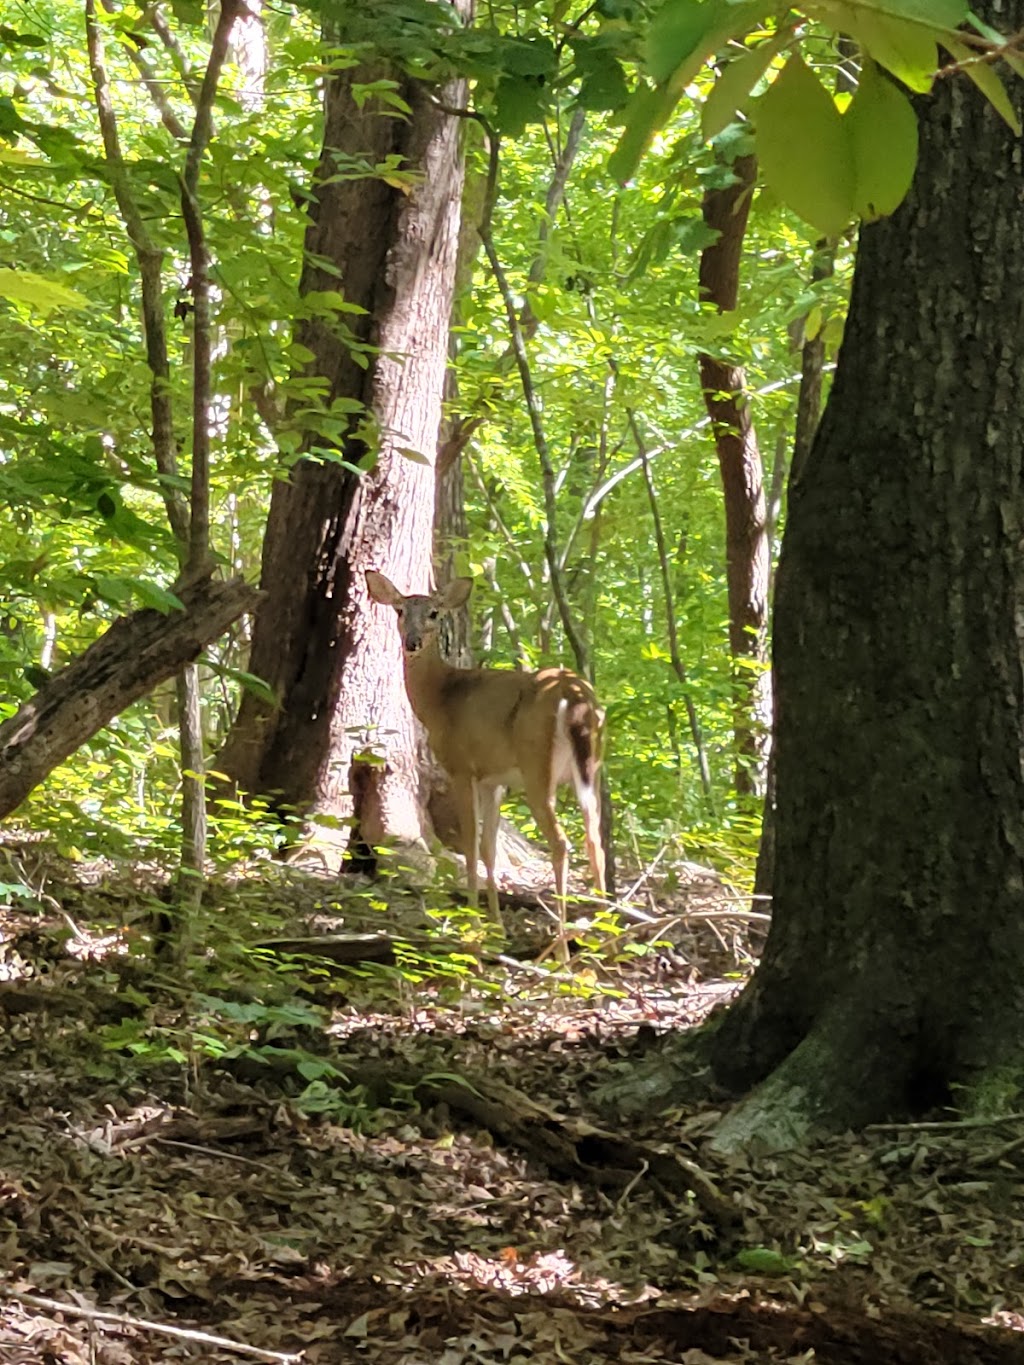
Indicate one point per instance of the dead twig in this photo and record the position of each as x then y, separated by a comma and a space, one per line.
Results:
146, 1325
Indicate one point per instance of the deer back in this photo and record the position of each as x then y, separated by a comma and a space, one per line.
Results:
501, 725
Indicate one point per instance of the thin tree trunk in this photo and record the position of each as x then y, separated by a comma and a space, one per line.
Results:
748, 554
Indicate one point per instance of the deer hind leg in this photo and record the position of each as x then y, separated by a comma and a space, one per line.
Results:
542, 808
589, 805
490, 814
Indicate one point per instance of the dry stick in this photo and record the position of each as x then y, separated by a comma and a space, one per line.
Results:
145, 1325
678, 667
942, 1125
646, 874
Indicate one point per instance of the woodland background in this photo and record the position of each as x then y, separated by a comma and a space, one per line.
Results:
550, 296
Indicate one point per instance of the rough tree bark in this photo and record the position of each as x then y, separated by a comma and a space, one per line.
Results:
396, 253
894, 971
136, 654
748, 554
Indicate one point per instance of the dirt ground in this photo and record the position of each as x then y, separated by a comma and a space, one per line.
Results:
424, 1156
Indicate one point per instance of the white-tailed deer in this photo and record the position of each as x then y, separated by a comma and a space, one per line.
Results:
493, 728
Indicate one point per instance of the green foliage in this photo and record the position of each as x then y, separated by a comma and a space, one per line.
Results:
615, 328
827, 167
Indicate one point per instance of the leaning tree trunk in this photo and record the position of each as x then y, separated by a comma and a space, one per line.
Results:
748, 554
332, 661
129, 660
894, 971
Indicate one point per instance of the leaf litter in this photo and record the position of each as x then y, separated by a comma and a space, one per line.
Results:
361, 1163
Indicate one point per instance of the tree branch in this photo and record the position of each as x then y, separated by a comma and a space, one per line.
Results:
202, 351
150, 259
678, 667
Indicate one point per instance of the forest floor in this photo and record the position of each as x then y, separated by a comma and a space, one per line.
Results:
444, 1157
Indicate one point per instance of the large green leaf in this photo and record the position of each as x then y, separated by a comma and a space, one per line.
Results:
934, 13
519, 100
736, 82
804, 149
906, 49
647, 111
38, 293
685, 33
882, 129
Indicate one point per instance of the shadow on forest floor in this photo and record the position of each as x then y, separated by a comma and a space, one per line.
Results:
430, 1162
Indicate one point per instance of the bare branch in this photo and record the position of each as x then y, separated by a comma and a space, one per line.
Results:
678, 667
157, 21
145, 1325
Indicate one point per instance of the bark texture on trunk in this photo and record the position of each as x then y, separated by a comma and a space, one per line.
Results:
136, 654
894, 970
748, 554
335, 664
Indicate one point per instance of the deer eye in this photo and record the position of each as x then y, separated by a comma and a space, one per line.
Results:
433, 615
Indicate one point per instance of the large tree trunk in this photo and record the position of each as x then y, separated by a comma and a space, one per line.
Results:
136, 654
334, 664
748, 554
894, 971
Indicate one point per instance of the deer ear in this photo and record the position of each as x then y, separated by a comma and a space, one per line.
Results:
382, 589
455, 594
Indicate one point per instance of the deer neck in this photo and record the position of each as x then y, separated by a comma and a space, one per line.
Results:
425, 676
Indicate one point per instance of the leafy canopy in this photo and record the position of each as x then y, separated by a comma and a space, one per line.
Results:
828, 157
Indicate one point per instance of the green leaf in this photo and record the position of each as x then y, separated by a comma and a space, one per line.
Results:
907, 50
648, 110
935, 13
534, 56
765, 1261
38, 293
603, 85
252, 683
882, 128
685, 33
804, 149
985, 78
152, 595
519, 100
735, 83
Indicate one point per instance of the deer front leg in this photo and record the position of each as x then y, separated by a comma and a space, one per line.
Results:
490, 815
469, 827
